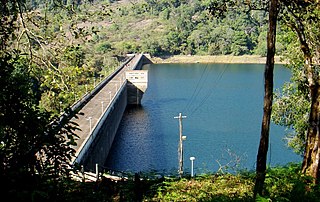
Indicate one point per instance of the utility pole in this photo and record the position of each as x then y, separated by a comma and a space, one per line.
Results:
180, 146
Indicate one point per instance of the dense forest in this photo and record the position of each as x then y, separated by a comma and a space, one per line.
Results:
165, 27
53, 52
88, 39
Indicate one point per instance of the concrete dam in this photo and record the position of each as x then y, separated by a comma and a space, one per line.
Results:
102, 110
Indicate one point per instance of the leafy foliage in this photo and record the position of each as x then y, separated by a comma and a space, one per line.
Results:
282, 184
207, 188
291, 109
88, 36
173, 27
35, 146
292, 106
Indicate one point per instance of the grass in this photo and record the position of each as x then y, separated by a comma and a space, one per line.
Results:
282, 184
207, 188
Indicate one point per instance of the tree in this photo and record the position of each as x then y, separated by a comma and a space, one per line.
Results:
239, 45
34, 143
303, 18
35, 146
268, 96
220, 8
261, 44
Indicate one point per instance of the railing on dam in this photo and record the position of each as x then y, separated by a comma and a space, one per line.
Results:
81, 102
95, 129
102, 111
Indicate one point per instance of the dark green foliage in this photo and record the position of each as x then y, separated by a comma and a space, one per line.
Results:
74, 56
282, 184
104, 47
35, 146
288, 184
177, 27
292, 105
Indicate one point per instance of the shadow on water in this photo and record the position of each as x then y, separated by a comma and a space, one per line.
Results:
136, 145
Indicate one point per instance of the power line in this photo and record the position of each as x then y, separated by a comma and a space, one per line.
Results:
196, 90
209, 92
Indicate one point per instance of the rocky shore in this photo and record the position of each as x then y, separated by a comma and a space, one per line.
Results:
244, 59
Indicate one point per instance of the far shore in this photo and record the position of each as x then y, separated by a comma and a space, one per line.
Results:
228, 59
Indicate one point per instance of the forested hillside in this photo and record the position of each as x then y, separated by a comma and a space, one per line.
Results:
84, 41
168, 27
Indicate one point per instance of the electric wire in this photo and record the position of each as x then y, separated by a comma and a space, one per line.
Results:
197, 89
209, 93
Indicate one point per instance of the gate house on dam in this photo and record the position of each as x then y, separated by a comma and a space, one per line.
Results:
137, 82
103, 110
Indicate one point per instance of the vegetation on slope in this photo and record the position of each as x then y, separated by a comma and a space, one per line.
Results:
177, 27
282, 184
50, 57
75, 47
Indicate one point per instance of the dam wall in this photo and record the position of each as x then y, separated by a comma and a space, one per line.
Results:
104, 133
96, 146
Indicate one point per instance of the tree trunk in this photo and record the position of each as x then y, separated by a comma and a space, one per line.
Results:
311, 160
268, 96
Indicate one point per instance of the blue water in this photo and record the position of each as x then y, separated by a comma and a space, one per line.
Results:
223, 104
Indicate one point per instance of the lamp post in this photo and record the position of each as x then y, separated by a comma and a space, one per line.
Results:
110, 96
90, 123
102, 107
192, 158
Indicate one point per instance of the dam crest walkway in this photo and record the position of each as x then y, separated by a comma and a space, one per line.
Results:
95, 107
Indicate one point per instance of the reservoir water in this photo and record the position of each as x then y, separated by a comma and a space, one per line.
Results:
223, 104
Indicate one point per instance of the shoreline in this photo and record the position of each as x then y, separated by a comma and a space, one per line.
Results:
227, 59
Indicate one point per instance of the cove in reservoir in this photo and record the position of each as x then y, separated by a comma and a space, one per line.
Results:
223, 104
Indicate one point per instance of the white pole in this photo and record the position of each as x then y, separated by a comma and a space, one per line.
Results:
102, 108
90, 123
83, 174
192, 159
110, 96
97, 171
